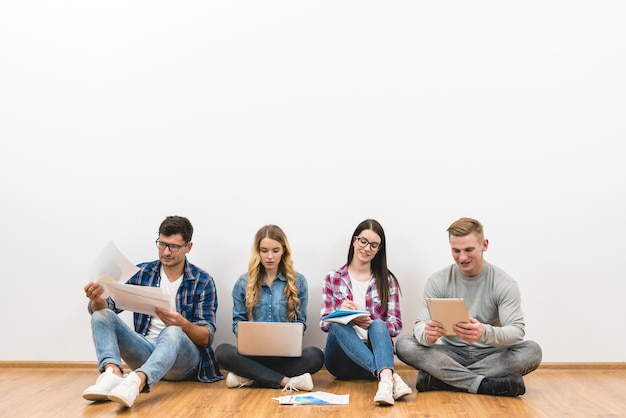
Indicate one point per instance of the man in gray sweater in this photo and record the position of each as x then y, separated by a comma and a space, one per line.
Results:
488, 354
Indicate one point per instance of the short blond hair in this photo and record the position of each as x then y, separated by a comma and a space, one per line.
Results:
466, 226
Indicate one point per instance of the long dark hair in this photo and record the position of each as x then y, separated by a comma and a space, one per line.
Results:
379, 263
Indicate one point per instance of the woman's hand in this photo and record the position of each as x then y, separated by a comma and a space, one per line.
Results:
362, 322
348, 305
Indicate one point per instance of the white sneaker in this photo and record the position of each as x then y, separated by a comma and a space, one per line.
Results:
302, 382
234, 381
105, 383
384, 395
126, 392
400, 389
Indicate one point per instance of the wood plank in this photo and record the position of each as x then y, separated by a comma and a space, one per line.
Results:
398, 365
56, 391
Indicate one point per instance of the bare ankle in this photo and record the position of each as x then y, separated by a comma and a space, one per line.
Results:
386, 374
115, 369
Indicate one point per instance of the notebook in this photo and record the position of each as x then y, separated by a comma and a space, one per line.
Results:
283, 339
448, 312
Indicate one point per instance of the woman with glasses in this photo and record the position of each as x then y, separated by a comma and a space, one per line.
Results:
363, 348
271, 291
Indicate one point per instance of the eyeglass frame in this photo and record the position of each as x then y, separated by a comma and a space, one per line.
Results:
360, 244
174, 248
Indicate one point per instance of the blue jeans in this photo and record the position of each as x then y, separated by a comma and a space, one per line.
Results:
171, 356
465, 367
347, 357
269, 371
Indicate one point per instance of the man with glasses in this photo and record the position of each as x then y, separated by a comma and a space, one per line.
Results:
172, 344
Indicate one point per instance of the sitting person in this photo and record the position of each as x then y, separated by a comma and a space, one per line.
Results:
363, 348
271, 291
488, 355
172, 344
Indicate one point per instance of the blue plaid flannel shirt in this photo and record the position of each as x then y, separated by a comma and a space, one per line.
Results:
196, 300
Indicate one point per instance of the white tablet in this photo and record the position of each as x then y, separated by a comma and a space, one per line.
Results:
448, 311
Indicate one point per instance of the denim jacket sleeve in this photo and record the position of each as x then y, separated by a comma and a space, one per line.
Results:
303, 295
240, 312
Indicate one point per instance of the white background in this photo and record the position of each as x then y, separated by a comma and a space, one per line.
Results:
314, 116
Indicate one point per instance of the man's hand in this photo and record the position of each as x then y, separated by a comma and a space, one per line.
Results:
433, 331
94, 291
470, 332
198, 334
170, 317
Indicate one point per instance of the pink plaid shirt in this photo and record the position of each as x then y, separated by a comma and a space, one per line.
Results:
338, 287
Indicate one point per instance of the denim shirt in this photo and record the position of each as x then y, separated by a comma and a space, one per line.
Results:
272, 306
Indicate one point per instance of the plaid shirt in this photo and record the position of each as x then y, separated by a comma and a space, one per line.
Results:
196, 300
338, 287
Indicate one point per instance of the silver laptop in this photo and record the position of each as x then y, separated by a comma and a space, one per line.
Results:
282, 339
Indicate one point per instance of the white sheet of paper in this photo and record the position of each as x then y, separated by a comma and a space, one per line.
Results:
111, 266
113, 269
141, 299
314, 398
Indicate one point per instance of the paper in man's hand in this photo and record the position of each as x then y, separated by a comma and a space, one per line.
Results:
113, 269
140, 299
111, 266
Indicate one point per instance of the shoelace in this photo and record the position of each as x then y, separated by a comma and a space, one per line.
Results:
290, 388
242, 383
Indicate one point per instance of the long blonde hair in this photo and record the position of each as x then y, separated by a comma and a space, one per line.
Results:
256, 271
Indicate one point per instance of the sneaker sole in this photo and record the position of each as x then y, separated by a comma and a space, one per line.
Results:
120, 400
384, 402
95, 396
237, 385
401, 395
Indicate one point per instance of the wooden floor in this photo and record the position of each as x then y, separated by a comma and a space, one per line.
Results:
550, 391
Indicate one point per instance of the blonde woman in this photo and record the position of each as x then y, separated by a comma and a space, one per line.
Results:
271, 291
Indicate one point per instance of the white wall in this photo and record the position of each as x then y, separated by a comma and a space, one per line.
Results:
314, 116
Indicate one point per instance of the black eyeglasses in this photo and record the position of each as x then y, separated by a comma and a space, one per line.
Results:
364, 243
173, 247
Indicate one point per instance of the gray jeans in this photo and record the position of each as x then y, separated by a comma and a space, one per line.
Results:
465, 367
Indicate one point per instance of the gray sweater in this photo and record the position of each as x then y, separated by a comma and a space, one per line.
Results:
492, 297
